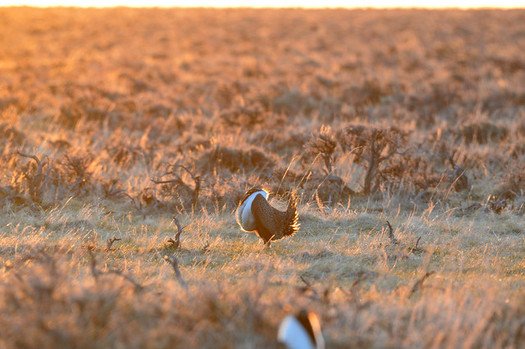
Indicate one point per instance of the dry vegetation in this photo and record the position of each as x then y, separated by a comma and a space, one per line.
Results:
115, 121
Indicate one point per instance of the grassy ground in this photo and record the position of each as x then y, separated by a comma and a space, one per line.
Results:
113, 122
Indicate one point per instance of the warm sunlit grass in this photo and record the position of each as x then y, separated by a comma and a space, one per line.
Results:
95, 104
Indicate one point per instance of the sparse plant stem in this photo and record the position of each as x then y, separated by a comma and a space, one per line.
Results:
175, 265
391, 236
176, 243
178, 182
419, 283
323, 145
95, 272
371, 170
109, 244
371, 147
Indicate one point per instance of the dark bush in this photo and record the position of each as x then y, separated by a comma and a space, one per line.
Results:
482, 132
236, 159
370, 147
323, 145
10, 134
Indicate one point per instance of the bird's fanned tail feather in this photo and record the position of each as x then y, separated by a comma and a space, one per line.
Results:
272, 224
291, 224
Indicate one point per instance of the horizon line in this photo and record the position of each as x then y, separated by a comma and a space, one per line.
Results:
272, 4
369, 7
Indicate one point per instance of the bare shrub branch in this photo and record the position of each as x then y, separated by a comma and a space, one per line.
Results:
323, 144
109, 244
172, 260
371, 147
95, 272
415, 248
35, 177
391, 236
308, 287
93, 262
34, 157
176, 243
458, 176
138, 286
76, 171
177, 184
419, 283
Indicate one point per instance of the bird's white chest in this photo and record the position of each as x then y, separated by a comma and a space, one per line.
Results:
244, 212
294, 335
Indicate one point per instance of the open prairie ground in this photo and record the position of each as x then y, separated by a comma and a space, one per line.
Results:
402, 132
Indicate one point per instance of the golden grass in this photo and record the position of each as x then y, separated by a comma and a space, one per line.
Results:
95, 104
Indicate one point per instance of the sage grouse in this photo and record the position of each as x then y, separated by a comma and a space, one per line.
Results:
255, 214
302, 331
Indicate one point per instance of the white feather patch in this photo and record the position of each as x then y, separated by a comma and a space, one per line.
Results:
244, 213
293, 334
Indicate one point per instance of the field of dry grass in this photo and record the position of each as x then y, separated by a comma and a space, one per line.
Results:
115, 121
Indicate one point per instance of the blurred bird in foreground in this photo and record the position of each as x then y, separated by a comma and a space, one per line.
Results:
302, 331
255, 214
